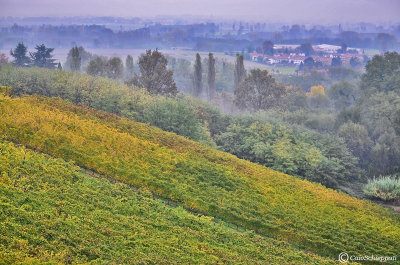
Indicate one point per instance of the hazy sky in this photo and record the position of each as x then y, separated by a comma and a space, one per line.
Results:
268, 10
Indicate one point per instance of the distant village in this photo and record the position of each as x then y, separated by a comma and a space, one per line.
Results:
320, 59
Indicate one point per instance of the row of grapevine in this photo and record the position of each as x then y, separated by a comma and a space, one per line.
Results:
202, 179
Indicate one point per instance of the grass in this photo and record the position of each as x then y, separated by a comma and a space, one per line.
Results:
289, 70
386, 188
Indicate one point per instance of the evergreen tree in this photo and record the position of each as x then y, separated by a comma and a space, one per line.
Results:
76, 59
20, 57
154, 75
129, 67
240, 71
42, 57
197, 76
211, 76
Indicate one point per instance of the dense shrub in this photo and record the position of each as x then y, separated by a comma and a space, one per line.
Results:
171, 115
302, 153
386, 188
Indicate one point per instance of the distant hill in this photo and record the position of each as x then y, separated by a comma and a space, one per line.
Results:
198, 179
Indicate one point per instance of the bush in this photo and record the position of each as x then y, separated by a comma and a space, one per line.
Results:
169, 114
299, 152
386, 188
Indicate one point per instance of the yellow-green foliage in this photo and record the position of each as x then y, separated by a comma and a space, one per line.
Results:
5, 90
201, 179
52, 212
315, 91
108, 95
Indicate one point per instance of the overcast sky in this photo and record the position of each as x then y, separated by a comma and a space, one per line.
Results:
313, 11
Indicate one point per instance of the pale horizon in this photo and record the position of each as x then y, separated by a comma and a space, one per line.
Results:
286, 11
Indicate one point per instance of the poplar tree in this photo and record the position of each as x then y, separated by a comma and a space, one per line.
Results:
76, 59
240, 71
211, 76
129, 67
197, 76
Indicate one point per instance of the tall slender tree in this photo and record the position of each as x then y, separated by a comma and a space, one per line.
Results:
129, 67
20, 55
197, 77
240, 71
83, 54
211, 76
76, 59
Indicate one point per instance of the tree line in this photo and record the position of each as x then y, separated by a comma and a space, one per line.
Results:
255, 91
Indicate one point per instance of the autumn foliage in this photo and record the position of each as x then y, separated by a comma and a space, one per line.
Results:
315, 91
201, 179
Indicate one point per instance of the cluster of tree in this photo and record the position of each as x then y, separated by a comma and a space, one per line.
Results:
77, 59
42, 57
198, 76
217, 76
203, 37
267, 48
259, 90
181, 114
365, 113
112, 68
153, 73
174, 114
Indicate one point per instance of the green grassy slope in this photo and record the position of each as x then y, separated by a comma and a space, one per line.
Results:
51, 211
201, 179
